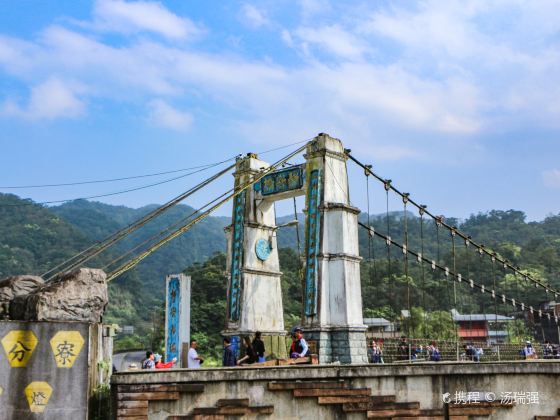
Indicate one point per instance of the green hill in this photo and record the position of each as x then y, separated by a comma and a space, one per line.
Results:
34, 238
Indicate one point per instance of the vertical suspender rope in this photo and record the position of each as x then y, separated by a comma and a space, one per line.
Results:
424, 315
495, 292
467, 243
453, 233
438, 223
405, 255
300, 262
481, 253
494, 288
297, 230
389, 274
368, 216
371, 251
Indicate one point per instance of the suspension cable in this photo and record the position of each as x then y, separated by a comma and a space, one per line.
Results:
457, 277
463, 235
235, 191
119, 235
161, 233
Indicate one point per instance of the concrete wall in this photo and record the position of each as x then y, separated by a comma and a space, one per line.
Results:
44, 369
422, 382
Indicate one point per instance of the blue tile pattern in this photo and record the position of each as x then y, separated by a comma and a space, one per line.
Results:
172, 346
236, 256
280, 181
312, 238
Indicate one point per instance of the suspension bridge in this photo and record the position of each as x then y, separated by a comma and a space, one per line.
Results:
397, 269
412, 262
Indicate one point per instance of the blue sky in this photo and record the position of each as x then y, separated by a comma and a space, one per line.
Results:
456, 101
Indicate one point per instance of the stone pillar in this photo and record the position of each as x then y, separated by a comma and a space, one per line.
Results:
177, 317
332, 313
253, 269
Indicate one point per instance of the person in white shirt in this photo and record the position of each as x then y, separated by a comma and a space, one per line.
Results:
193, 359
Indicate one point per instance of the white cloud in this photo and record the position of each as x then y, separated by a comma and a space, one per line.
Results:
163, 114
313, 8
334, 40
253, 16
551, 178
137, 16
431, 70
49, 100
287, 38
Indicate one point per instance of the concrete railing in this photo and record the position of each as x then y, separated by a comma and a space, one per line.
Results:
327, 391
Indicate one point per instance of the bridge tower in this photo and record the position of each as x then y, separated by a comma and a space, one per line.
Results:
332, 303
332, 314
254, 290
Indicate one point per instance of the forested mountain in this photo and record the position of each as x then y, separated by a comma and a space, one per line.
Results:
34, 238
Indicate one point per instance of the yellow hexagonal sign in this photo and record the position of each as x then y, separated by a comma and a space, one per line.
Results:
19, 346
38, 394
66, 346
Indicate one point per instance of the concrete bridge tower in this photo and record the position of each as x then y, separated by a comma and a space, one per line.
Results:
332, 302
332, 296
254, 290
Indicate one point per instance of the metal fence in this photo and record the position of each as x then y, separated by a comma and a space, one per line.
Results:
451, 350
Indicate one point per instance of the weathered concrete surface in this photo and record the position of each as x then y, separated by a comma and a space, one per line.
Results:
337, 324
80, 295
259, 290
14, 286
54, 353
422, 382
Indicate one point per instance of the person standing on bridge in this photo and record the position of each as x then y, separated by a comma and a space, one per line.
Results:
149, 362
258, 346
193, 359
299, 346
229, 358
529, 351
375, 353
403, 349
250, 354
433, 352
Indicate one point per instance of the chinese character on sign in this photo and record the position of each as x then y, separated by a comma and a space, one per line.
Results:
66, 347
18, 351
39, 398
38, 394
65, 352
19, 346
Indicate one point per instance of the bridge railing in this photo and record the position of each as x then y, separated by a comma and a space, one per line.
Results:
451, 350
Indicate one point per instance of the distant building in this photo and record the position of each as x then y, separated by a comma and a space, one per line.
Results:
487, 328
380, 327
128, 330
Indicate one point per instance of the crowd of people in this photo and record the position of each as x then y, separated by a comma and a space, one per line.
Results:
254, 352
407, 351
